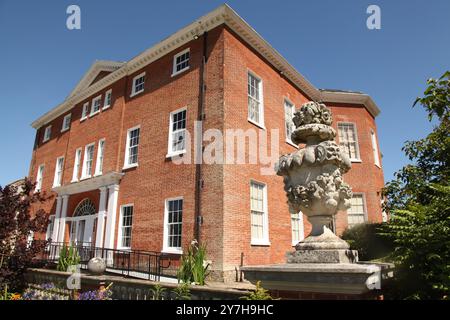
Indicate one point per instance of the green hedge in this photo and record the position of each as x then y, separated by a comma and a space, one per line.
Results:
365, 238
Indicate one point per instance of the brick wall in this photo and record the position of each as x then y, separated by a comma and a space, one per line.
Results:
225, 195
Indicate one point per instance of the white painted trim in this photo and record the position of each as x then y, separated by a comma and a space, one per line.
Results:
57, 183
90, 184
64, 128
119, 229
222, 15
99, 99
133, 83
366, 218
288, 139
174, 64
109, 92
83, 170
358, 159
77, 165
261, 123
100, 152
166, 248
39, 178
376, 153
84, 111
301, 227
113, 195
48, 135
127, 147
171, 153
265, 241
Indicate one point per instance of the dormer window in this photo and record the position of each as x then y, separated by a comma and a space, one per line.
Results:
66, 122
47, 134
181, 62
95, 108
138, 84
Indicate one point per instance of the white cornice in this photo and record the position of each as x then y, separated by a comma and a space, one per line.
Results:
352, 98
111, 178
222, 15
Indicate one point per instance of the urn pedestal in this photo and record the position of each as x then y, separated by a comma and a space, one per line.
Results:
322, 263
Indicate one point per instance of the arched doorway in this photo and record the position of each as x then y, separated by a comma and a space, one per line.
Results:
82, 223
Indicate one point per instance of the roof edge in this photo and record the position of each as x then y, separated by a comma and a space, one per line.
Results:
224, 14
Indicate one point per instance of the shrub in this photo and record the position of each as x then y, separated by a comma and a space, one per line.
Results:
182, 292
158, 292
194, 266
366, 238
67, 257
258, 294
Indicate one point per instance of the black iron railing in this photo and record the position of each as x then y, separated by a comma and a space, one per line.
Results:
129, 263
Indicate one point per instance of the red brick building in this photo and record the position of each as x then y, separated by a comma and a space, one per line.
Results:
108, 152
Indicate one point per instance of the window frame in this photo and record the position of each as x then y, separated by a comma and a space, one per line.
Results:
376, 153
171, 153
47, 136
363, 197
301, 228
99, 99
261, 123
357, 150
107, 93
133, 88
49, 231
126, 165
174, 64
100, 157
39, 178
64, 127
166, 248
85, 111
120, 229
265, 240
55, 182
288, 138
84, 167
76, 165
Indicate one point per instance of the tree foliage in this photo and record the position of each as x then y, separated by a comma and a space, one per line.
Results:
419, 202
16, 225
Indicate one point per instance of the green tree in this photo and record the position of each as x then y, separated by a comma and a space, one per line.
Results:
419, 202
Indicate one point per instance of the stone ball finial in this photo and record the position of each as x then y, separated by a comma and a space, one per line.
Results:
96, 266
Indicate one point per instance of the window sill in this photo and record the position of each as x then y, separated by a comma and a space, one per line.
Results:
84, 178
180, 71
82, 119
95, 113
44, 141
124, 248
98, 174
56, 186
356, 160
74, 181
135, 93
291, 143
129, 166
377, 165
64, 130
106, 107
171, 155
259, 125
262, 243
172, 250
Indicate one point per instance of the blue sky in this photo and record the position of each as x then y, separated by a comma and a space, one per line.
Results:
327, 41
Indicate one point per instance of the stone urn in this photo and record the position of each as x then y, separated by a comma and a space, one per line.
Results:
314, 185
96, 266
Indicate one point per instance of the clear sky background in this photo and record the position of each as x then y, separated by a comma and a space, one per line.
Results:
327, 41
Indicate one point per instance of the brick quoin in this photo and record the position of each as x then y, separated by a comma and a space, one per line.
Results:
225, 191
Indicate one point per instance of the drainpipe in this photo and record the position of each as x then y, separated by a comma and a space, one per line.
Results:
200, 117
